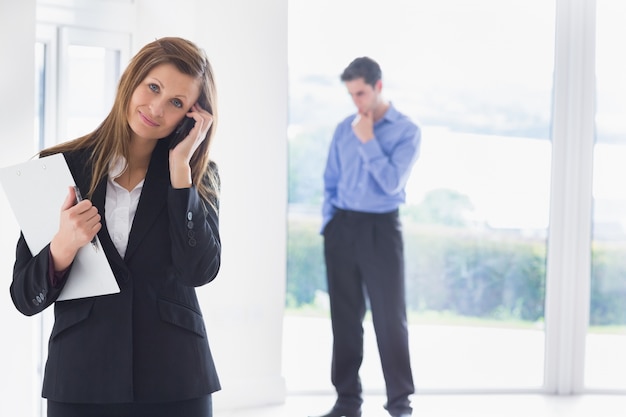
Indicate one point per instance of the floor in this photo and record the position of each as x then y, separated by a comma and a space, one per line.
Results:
456, 406
500, 358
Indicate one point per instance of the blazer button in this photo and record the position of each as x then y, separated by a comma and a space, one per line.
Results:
189, 215
192, 242
189, 224
190, 234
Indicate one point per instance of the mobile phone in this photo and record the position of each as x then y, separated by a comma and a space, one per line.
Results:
181, 131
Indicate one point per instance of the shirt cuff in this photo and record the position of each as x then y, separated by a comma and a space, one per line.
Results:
56, 278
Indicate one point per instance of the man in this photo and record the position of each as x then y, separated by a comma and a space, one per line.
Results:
369, 162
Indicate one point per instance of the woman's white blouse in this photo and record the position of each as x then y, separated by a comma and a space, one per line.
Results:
120, 207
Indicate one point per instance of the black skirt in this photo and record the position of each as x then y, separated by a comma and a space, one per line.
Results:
200, 407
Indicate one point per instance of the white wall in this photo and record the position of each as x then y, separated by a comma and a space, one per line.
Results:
247, 44
18, 383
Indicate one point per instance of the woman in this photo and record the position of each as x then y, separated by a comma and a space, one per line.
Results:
144, 350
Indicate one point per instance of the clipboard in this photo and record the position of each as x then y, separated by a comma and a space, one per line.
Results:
36, 190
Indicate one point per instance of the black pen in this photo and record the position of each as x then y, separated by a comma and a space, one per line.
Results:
79, 198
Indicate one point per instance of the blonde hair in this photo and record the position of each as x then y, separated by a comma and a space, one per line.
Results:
111, 139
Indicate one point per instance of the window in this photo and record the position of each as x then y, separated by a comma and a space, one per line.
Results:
606, 337
91, 66
478, 202
77, 72
45, 79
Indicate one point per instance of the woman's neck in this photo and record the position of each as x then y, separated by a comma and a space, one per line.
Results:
139, 155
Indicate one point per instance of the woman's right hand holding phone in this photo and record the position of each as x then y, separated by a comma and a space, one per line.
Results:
180, 155
79, 223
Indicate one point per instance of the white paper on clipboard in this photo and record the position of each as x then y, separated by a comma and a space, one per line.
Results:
36, 191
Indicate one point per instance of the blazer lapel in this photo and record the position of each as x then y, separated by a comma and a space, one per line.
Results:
153, 197
115, 260
81, 171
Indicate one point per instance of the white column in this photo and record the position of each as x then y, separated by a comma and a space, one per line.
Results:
19, 383
567, 309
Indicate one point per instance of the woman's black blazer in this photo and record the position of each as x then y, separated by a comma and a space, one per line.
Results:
148, 342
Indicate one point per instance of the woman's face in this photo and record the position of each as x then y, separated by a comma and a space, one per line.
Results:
161, 101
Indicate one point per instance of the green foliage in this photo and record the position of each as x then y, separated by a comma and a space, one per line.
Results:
467, 273
479, 274
447, 269
307, 159
306, 272
441, 206
608, 284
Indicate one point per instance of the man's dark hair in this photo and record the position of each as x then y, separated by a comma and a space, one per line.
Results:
365, 68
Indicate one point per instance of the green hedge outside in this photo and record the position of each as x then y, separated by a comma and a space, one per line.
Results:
484, 274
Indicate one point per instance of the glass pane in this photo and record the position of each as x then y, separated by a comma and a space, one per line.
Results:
476, 217
606, 339
40, 93
93, 72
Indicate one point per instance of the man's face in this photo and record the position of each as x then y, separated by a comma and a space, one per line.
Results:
364, 96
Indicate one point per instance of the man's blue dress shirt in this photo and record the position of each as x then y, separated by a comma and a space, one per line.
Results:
370, 177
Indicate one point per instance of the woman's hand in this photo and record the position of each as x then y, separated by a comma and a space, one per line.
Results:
78, 225
180, 155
